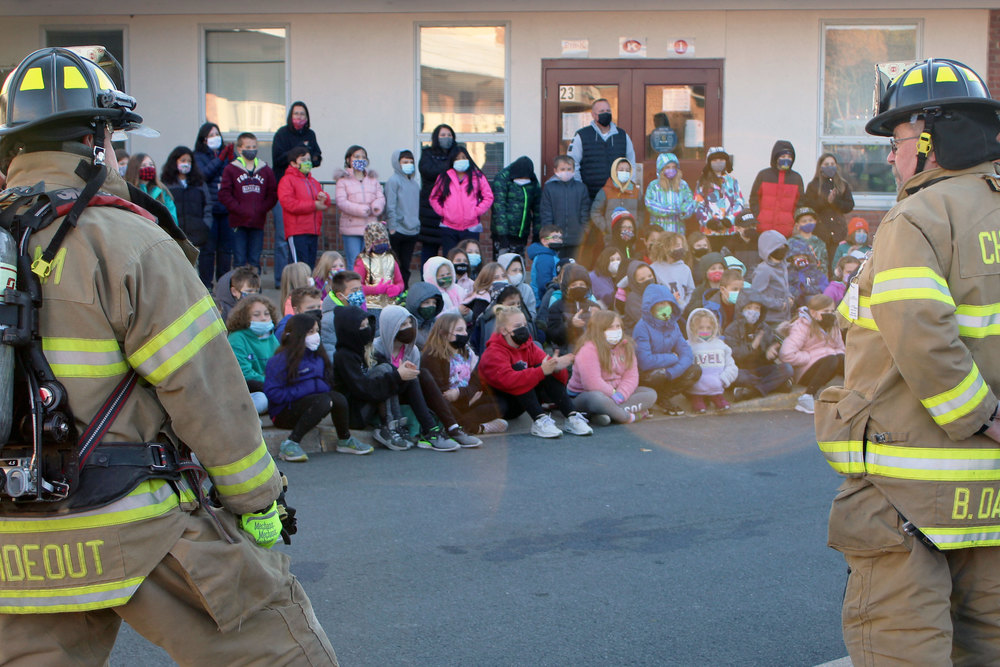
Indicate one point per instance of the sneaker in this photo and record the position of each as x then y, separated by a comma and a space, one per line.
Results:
805, 404
576, 424
292, 451
494, 426
390, 439
353, 446
671, 407
698, 405
545, 427
436, 439
463, 438
601, 420
745, 394
720, 402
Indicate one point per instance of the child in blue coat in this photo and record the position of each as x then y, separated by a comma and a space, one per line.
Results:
665, 360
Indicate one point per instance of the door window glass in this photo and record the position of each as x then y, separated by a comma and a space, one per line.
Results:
675, 121
575, 100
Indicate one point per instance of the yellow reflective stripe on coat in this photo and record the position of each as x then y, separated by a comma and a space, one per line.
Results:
978, 321
844, 456
75, 598
864, 318
244, 475
955, 403
149, 499
911, 282
963, 538
939, 464
84, 357
178, 343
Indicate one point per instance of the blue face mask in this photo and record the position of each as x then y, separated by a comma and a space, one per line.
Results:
475, 259
808, 227
860, 237
461, 166
356, 298
359, 165
261, 329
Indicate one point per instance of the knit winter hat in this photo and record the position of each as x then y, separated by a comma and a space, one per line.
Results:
620, 214
854, 224
375, 232
716, 152
804, 210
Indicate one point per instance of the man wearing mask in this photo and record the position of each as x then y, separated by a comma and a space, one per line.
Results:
914, 428
596, 146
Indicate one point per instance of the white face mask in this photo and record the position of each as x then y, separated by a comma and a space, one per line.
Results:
522, 181
312, 342
215, 143
564, 176
613, 267
624, 176
613, 336
515, 278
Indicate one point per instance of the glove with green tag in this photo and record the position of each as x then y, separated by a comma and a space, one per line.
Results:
264, 527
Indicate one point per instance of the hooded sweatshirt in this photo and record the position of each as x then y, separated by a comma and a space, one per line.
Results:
659, 343
389, 323
544, 261
524, 287
633, 294
454, 295
770, 281
416, 295
740, 334
515, 206
718, 370
668, 208
402, 200
805, 282
248, 192
559, 329
567, 206
615, 194
287, 138
775, 193
350, 364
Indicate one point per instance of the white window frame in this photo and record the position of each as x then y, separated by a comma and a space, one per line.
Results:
862, 200
492, 137
203, 30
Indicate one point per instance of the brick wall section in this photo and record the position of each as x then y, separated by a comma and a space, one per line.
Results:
993, 57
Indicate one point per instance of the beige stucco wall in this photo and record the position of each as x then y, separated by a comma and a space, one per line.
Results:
357, 71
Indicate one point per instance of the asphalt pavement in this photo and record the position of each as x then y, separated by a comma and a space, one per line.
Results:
683, 541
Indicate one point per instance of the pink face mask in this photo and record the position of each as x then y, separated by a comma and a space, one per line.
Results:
298, 123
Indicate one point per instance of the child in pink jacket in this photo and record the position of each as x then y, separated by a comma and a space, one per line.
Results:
605, 380
461, 196
360, 200
814, 348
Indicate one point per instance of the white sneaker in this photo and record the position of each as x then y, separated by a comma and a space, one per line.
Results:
576, 424
805, 404
545, 427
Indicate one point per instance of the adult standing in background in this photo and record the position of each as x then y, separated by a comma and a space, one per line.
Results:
212, 155
596, 146
295, 132
434, 161
830, 196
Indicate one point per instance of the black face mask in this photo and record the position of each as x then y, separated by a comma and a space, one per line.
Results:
827, 320
461, 268
577, 293
779, 254
699, 252
556, 245
678, 254
641, 287
520, 335
604, 119
406, 336
366, 335
461, 340
427, 312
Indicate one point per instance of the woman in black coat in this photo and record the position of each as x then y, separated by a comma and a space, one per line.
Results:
434, 160
211, 155
830, 196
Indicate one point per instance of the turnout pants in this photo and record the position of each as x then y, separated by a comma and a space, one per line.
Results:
207, 602
905, 603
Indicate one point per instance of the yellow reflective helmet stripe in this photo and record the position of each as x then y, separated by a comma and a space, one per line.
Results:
908, 283
84, 357
245, 475
945, 74
958, 401
75, 598
32, 80
103, 81
73, 78
864, 318
173, 347
915, 76
844, 456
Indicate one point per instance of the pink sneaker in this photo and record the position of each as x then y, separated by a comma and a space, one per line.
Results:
720, 402
698, 404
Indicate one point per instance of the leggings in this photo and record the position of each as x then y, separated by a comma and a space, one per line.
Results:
597, 403
306, 413
822, 371
549, 390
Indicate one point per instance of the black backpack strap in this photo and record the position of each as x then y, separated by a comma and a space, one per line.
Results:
105, 417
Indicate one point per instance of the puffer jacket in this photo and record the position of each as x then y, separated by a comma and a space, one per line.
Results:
613, 195
297, 193
462, 209
775, 193
355, 197
740, 334
659, 343
668, 208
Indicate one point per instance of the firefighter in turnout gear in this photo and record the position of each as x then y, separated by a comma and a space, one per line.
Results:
915, 427
169, 523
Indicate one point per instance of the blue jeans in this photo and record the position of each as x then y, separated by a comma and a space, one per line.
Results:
303, 248
247, 244
765, 379
216, 254
353, 245
280, 245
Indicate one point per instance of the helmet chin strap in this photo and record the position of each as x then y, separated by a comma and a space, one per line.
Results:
924, 143
99, 133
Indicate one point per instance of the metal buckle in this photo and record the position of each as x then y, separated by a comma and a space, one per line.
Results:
159, 452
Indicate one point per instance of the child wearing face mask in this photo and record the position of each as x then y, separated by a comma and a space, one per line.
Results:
488, 284
248, 190
141, 172
815, 349
345, 290
770, 278
714, 357
665, 360
516, 200
297, 384
755, 350
513, 265
475, 255
425, 303
461, 196
452, 363
440, 272
668, 198
776, 190
624, 234
631, 288
524, 377
544, 256
568, 314
707, 276
463, 270
670, 256
381, 278
718, 198
305, 301
605, 379
805, 229
620, 192
842, 274
566, 205
329, 264
721, 301
805, 277
858, 241
402, 209
605, 276
251, 335
360, 200
303, 201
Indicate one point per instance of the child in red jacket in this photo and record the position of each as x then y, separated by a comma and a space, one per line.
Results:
524, 376
303, 202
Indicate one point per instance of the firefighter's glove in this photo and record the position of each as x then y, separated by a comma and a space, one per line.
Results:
286, 514
264, 527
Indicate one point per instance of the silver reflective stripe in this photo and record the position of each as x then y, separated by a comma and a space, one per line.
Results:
988, 536
978, 321
79, 598
960, 401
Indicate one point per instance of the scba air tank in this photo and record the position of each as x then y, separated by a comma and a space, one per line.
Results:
8, 280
